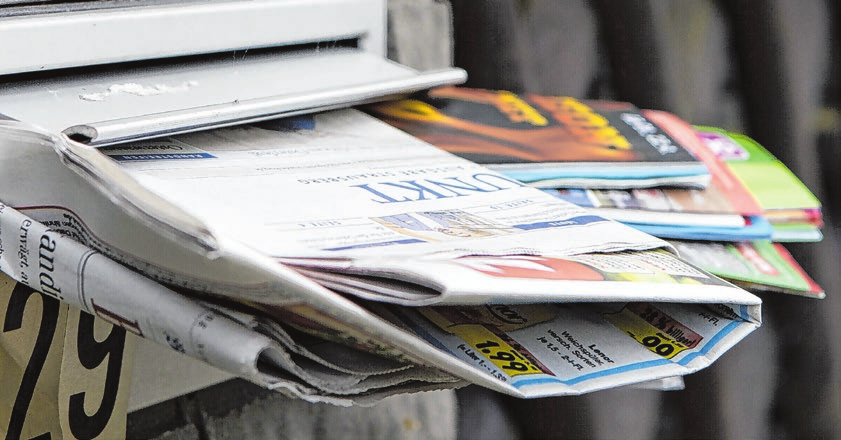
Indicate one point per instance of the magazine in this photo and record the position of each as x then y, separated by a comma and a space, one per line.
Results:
759, 265
549, 141
723, 211
669, 213
790, 207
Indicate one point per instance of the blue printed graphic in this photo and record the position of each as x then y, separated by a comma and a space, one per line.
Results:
575, 221
382, 243
165, 156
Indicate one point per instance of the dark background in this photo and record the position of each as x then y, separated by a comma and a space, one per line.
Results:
766, 68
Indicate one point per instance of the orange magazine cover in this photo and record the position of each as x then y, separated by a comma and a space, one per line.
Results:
548, 141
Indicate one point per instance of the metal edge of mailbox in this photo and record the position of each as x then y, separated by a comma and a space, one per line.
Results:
226, 114
123, 105
83, 38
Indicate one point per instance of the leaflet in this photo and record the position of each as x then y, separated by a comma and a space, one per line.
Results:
552, 349
755, 265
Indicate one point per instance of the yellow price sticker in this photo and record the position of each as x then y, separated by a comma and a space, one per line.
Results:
654, 329
504, 356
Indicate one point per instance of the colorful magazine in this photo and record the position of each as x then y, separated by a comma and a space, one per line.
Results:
549, 141
757, 265
658, 206
795, 232
636, 210
787, 203
750, 228
724, 211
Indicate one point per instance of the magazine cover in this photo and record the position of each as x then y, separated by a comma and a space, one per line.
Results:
756, 265
548, 141
790, 207
724, 211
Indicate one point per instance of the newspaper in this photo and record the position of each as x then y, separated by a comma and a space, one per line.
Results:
296, 223
237, 342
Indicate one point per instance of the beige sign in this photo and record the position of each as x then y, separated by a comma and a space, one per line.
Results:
63, 373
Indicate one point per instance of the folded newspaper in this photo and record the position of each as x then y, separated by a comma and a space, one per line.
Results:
338, 259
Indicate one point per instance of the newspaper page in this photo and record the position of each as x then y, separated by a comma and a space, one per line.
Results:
160, 228
558, 349
70, 272
87, 280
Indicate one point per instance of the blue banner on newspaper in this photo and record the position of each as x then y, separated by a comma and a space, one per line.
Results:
575, 221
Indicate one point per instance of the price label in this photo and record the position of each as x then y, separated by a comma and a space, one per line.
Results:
510, 360
484, 330
63, 373
654, 329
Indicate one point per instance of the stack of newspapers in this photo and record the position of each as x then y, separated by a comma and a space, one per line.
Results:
339, 259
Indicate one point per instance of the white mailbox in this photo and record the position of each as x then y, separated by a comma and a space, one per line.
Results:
105, 74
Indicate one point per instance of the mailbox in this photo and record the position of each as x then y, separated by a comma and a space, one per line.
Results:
114, 71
